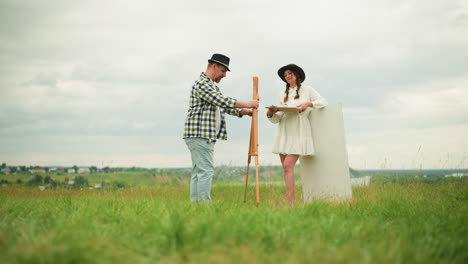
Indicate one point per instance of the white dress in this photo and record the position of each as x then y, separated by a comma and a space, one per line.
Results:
294, 134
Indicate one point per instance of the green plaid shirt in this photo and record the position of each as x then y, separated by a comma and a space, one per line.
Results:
205, 97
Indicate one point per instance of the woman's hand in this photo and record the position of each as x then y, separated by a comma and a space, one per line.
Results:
302, 107
271, 111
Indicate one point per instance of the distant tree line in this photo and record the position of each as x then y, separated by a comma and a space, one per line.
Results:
92, 169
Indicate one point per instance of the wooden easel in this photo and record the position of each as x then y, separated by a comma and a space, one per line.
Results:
253, 146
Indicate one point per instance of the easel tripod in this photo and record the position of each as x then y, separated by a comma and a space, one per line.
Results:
253, 146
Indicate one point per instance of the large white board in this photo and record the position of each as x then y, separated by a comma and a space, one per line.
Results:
326, 174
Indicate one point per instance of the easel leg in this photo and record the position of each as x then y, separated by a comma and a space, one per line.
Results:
253, 146
247, 180
257, 187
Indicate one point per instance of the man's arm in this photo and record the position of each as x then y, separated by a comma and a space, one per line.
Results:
245, 108
237, 112
208, 94
249, 104
246, 111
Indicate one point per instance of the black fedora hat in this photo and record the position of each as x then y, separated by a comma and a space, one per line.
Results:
220, 59
294, 68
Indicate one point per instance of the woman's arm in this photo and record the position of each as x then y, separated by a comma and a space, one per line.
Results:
317, 100
314, 99
273, 114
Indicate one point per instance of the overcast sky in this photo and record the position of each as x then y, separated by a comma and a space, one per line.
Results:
107, 83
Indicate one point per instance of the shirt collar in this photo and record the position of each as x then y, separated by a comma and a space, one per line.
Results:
204, 76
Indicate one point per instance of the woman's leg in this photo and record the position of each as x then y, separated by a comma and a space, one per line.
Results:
282, 159
288, 162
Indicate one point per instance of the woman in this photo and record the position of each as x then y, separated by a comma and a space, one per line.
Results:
294, 135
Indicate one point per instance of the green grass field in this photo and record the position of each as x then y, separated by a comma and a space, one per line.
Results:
386, 222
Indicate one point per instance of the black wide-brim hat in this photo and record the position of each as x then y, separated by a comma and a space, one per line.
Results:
294, 68
220, 59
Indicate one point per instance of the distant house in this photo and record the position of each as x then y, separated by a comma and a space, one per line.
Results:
71, 171
83, 170
52, 169
6, 170
39, 170
361, 181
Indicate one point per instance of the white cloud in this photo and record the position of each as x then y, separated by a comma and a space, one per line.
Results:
431, 116
433, 103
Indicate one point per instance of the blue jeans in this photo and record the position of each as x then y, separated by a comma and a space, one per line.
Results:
202, 168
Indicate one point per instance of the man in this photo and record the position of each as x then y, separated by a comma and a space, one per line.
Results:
205, 123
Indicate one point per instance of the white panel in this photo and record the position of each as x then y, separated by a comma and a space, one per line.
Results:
326, 174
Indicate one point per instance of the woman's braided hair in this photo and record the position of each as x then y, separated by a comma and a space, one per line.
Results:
298, 84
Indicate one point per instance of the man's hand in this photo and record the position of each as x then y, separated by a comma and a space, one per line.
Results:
253, 104
246, 111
